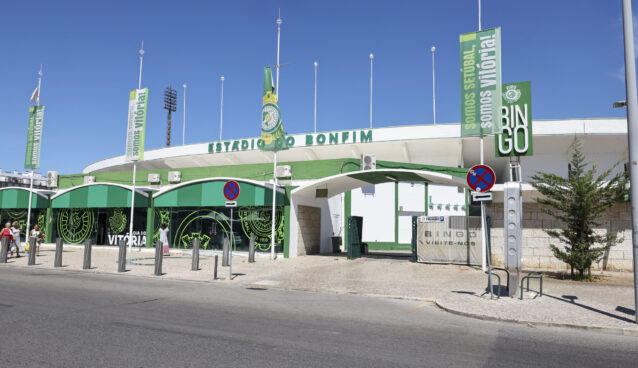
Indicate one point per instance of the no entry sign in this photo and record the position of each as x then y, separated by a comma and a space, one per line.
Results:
231, 190
481, 178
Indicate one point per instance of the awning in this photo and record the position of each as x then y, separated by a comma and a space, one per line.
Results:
99, 195
338, 184
17, 197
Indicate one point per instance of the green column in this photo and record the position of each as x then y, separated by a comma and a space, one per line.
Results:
48, 227
150, 221
347, 203
427, 202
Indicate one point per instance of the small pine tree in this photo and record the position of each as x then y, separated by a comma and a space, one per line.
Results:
579, 201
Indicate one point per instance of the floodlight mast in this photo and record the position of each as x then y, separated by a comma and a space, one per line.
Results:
170, 104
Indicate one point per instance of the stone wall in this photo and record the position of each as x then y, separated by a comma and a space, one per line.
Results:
536, 251
309, 234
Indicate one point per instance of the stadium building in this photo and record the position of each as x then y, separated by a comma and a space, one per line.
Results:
383, 175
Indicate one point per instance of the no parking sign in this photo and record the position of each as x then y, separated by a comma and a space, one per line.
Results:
231, 190
481, 178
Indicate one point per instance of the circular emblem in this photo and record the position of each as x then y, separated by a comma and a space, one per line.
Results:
75, 225
270, 117
512, 94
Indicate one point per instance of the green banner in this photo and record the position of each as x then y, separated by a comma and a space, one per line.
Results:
481, 82
34, 137
136, 128
515, 138
272, 129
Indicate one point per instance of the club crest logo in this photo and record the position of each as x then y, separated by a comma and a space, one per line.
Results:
270, 118
512, 94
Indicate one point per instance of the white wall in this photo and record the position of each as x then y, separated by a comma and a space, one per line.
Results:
377, 211
411, 203
446, 201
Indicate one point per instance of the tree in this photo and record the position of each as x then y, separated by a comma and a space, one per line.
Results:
579, 202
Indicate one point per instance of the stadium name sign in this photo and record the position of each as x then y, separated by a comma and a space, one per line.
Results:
299, 140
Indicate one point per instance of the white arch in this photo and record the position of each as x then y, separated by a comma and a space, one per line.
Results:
35, 191
127, 187
341, 183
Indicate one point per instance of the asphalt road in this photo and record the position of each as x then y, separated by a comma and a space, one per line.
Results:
74, 319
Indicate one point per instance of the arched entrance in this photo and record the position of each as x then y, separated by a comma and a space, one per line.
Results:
319, 196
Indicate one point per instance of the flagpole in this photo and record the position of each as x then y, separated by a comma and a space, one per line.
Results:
273, 254
130, 232
371, 58
26, 236
433, 89
316, 65
184, 126
221, 111
279, 21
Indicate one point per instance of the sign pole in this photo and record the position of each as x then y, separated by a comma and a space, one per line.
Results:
130, 233
632, 129
273, 254
33, 168
231, 242
483, 235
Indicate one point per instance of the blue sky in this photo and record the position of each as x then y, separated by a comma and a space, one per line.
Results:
572, 51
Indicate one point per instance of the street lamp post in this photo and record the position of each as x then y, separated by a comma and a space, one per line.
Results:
632, 133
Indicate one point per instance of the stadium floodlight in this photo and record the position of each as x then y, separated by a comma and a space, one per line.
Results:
170, 104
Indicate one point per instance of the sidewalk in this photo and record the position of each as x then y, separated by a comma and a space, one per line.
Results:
606, 305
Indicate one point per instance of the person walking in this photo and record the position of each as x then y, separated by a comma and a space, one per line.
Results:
7, 233
163, 231
15, 244
38, 235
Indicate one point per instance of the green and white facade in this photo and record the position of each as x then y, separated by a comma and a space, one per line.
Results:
420, 169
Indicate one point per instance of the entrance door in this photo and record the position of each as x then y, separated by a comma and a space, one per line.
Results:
102, 225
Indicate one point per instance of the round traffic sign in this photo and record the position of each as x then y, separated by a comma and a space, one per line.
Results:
481, 178
231, 190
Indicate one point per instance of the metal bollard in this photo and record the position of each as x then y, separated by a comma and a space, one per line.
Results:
225, 253
159, 256
58, 253
4, 250
87, 255
251, 249
121, 260
195, 265
32, 251
215, 268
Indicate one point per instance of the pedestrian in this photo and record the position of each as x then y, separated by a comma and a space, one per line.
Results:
164, 239
6, 233
38, 235
15, 244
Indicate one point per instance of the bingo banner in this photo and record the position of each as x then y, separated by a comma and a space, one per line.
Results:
515, 138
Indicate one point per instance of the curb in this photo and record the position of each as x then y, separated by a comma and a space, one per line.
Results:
605, 330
